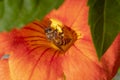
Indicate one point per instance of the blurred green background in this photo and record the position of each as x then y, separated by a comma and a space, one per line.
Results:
17, 13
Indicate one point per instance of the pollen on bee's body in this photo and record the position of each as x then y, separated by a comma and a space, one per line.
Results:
60, 35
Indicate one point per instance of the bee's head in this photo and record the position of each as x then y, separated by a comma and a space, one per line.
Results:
48, 30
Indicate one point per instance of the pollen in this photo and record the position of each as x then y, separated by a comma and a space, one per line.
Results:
59, 35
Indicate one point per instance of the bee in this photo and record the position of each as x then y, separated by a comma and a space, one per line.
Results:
56, 36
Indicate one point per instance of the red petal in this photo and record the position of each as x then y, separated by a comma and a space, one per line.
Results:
4, 70
3, 44
111, 59
9, 42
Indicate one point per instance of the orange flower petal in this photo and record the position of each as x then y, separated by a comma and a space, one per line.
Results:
111, 59
9, 42
69, 11
77, 64
31, 60
35, 64
4, 70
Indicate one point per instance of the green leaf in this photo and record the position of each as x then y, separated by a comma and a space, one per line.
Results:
16, 13
104, 20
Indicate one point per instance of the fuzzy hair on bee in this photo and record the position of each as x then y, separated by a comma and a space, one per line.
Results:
56, 37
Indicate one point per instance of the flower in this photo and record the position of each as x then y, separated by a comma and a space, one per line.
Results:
59, 47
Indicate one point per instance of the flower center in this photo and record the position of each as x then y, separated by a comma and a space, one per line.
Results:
61, 36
